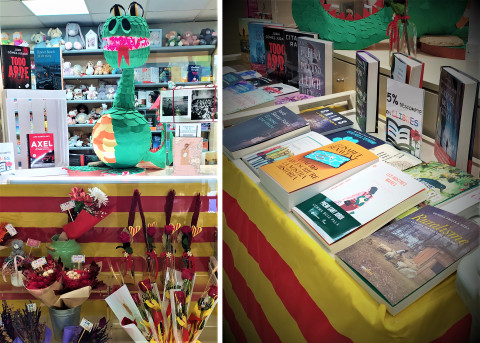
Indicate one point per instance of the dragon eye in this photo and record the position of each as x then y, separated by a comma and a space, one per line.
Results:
112, 24
126, 24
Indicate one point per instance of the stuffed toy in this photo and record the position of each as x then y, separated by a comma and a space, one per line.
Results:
77, 70
89, 70
107, 69
6, 38
71, 117
155, 38
116, 71
208, 37
173, 39
82, 108
69, 94
189, 39
73, 37
67, 68
77, 94
110, 92
39, 39
81, 118
92, 93
18, 39
98, 68
17, 248
56, 39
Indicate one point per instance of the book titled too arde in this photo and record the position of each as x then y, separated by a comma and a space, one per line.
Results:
297, 178
399, 263
41, 152
359, 205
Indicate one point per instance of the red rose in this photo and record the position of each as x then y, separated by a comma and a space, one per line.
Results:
180, 297
187, 274
136, 298
213, 291
416, 136
168, 229
145, 285
186, 229
151, 231
124, 237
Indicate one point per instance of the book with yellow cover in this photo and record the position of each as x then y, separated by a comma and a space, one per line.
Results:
297, 178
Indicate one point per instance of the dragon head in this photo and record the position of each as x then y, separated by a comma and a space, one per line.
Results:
126, 37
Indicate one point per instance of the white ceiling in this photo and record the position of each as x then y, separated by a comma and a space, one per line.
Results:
15, 15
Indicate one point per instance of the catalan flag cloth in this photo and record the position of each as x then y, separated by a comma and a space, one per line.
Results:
279, 285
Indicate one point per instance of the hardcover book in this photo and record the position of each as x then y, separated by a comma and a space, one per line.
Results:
297, 178
355, 136
325, 120
367, 74
261, 131
399, 263
394, 157
291, 54
315, 66
48, 68
194, 72
404, 115
16, 72
306, 142
456, 119
238, 102
278, 89
275, 53
41, 152
359, 205
408, 70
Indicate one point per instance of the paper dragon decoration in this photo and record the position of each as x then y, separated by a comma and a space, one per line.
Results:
122, 137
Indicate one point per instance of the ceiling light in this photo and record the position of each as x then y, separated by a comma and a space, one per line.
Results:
56, 7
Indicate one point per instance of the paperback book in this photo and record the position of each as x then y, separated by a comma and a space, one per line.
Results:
279, 89
394, 157
404, 115
399, 263
230, 79
306, 142
356, 136
260, 81
248, 74
292, 97
297, 178
367, 74
291, 54
194, 72
48, 68
41, 153
16, 72
251, 100
257, 46
315, 66
240, 87
325, 120
275, 53
359, 205
261, 131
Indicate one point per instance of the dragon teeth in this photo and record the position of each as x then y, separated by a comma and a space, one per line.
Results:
133, 43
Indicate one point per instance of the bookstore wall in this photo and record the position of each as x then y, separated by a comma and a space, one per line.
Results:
351, 171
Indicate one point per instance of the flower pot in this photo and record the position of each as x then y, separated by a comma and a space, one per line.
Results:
64, 250
63, 318
84, 222
17, 279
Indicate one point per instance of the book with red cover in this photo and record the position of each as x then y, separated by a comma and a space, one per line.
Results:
40, 150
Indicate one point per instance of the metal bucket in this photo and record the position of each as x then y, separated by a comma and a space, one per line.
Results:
62, 318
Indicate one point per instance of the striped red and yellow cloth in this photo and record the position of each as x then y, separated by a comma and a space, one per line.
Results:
34, 210
279, 285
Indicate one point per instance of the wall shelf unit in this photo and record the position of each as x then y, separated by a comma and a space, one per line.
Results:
161, 49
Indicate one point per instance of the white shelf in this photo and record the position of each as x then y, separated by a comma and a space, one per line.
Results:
82, 125
86, 77
80, 148
153, 49
88, 101
165, 84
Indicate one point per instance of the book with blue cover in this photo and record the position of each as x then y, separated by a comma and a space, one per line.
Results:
325, 120
240, 87
250, 100
48, 68
257, 46
230, 79
194, 72
356, 136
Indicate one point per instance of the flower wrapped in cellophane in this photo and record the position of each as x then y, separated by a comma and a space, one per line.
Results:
201, 312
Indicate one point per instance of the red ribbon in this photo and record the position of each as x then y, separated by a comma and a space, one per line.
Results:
128, 263
392, 29
153, 256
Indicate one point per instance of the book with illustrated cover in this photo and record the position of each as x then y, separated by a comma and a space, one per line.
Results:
456, 119
325, 120
359, 205
367, 74
7, 159
240, 87
394, 157
404, 115
315, 66
399, 263
230, 79
48, 68
244, 32
248, 74
260, 81
297, 178
257, 46
355, 136
292, 97
278, 89
408, 70
250, 100
261, 131
41, 152
275, 53
306, 142
194, 72
165, 74
291, 54
16, 68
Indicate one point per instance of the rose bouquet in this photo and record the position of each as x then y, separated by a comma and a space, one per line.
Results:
85, 209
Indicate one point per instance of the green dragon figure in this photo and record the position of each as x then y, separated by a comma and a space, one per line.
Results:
435, 17
122, 137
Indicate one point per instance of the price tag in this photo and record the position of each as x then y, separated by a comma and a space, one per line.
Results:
32, 243
11, 230
32, 307
86, 325
78, 258
67, 205
39, 262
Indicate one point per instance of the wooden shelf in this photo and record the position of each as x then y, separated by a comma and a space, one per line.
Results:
86, 77
153, 49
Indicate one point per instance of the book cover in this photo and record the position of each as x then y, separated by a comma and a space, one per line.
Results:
48, 68
299, 171
204, 104
187, 155
261, 128
356, 136
16, 72
175, 106
306, 142
366, 91
165, 74
230, 79
194, 71
291, 55
7, 159
260, 81
248, 74
237, 102
278, 89
292, 97
404, 113
41, 152
357, 200
257, 47
314, 66
240, 87
361, 93
244, 33
275, 53
405, 259
394, 157
325, 120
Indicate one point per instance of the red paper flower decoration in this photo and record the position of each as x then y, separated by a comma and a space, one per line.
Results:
145, 285
416, 136
187, 274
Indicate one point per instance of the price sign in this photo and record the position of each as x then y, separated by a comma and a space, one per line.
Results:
39, 262
392, 98
78, 258
67, 205
11, 230
86, 325
32, 307
32, 243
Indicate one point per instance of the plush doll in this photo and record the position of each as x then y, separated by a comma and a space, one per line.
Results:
6, 38
81, 118
71, 117
82, 108
98, 68
89, 70
17, 248
208, 37
155, 38
18, 39
77, 70
56, 39
39, 39
107, 69
67, 68
173, 39
110, 92
116, 71
69, 94
189, 39
77, 94
73, 37
92, 93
